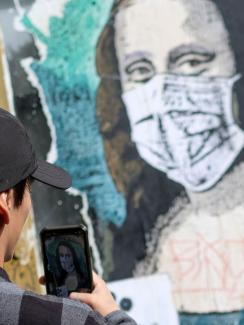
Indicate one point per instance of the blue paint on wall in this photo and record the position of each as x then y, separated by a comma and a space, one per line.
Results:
69, 80
234, 318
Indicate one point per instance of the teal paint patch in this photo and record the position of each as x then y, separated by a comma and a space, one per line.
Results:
69, 80
234, 318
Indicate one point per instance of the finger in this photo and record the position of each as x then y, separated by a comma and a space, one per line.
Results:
42, 280
83, 297
96, 278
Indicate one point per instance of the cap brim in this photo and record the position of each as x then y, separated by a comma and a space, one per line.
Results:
52, 175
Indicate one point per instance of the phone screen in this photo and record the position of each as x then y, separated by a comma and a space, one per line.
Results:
66, 260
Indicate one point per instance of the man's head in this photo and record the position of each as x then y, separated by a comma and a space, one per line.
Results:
18, 159
18, 168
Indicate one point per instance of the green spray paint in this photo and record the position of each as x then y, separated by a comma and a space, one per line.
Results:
69, 80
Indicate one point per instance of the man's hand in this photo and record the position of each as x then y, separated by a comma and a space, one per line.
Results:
100, 299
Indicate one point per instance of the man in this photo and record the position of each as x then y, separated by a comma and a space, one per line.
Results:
18, 168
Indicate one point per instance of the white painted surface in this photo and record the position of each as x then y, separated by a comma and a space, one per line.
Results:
150, 298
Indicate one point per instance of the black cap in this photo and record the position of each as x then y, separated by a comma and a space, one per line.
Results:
18, 159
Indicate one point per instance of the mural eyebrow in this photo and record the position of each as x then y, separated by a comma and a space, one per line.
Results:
184, 49
137, 56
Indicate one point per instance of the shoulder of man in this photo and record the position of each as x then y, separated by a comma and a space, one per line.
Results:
23, 307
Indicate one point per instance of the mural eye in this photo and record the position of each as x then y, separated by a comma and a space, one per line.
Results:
140, 71
192, 63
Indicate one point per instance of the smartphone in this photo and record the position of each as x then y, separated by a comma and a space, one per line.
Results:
66, 259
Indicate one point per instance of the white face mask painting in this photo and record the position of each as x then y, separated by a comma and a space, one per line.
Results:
184, 126
179, 108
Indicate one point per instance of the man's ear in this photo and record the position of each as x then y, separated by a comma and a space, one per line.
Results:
4, 207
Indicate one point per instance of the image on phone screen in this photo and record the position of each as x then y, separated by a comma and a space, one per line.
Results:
67, 268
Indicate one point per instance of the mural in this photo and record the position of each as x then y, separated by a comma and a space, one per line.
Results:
177, 91
142, 102
68, 82
181, 118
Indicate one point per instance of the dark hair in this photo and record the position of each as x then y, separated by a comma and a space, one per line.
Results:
19, 190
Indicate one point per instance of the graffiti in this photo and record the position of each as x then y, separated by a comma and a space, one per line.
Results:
179, 108
68, 80
201, 249
180, 124
149, 126
183, 127
200, 258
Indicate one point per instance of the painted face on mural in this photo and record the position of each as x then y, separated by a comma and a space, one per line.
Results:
177, 72
66, 259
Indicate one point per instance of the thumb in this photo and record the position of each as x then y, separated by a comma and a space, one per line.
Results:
83, 297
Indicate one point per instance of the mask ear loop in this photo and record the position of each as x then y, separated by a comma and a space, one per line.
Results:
229, 82
236, 77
